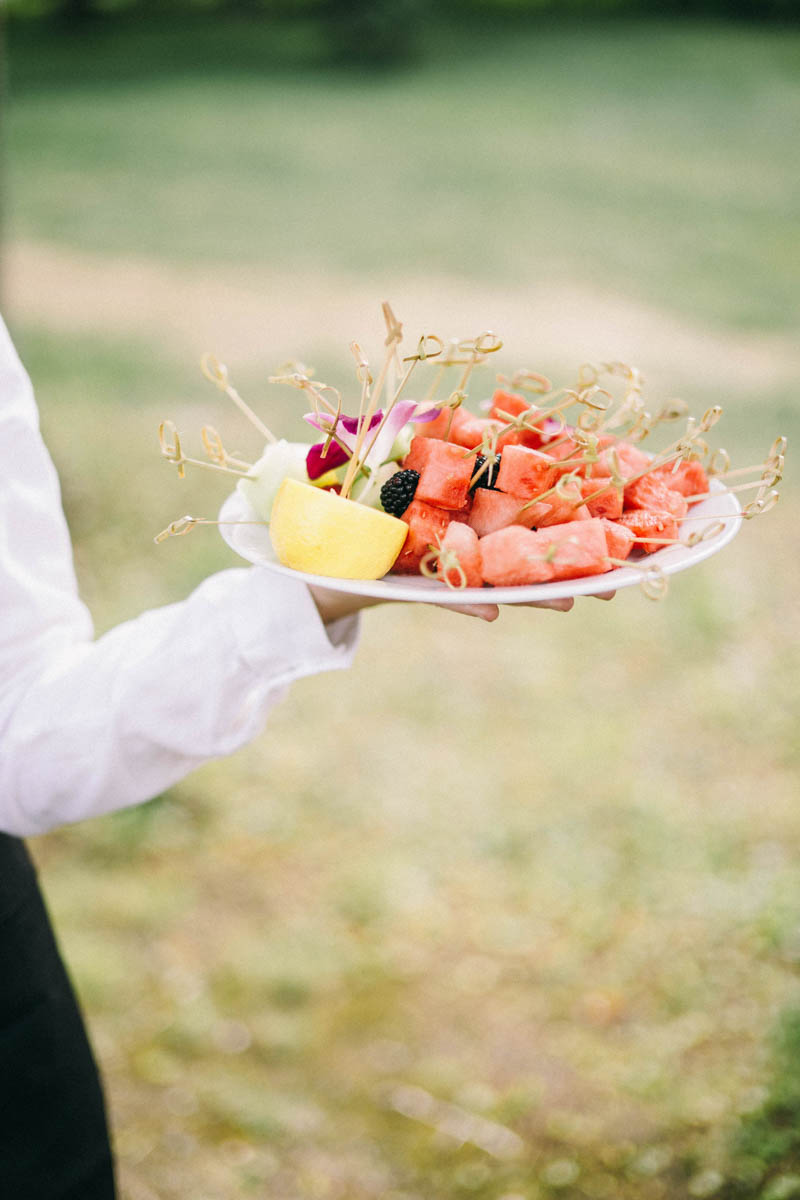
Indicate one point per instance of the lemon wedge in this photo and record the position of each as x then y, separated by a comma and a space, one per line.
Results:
319, 532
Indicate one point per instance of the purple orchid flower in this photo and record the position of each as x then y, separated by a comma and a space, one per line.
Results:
347, 428
318, 463
318, 460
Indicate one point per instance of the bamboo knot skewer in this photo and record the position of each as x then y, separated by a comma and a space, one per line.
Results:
217, 373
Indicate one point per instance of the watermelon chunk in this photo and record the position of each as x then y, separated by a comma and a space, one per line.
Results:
557, 510
651, 493
507, 404
619, 538
468, 430
525, 472
462, 541
437, 428
518, 437
645, 523
688, 478
565, 452
607, 503
445, 474
419, 452
597, 470
512, 556
631, 460
576, 549
495, 510
426, 524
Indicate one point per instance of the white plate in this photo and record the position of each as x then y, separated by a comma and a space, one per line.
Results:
253, 543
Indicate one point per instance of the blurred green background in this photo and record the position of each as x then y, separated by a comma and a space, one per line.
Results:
505, 912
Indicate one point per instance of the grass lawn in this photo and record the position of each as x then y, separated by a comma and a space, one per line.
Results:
504, 912
649, 158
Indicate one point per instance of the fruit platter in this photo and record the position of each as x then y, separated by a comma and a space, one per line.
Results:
531, 492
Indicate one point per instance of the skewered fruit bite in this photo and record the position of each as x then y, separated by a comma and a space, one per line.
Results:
280, 460
517, 497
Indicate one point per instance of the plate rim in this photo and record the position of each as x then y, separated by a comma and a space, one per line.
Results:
424, 591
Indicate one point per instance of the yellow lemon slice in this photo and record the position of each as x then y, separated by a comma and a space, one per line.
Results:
319, 532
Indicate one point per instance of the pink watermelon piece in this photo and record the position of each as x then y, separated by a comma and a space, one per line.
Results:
606, 503
444, 475
525, 472
576, 549
518, 437
506, 405
462, 541
426, 524
556, 510
651, 493
437, 428
567, 451
619, 538
418, 453
468, 430
495, 510
597, 470
511, 557
514, 556
688, 478
631, 460
645, 523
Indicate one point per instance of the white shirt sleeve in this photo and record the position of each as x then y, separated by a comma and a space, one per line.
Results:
91, 726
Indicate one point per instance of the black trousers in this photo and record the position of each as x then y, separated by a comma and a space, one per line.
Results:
53, 1134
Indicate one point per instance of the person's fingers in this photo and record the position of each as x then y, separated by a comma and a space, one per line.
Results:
334, 605
563, 605
604, 596
486, 612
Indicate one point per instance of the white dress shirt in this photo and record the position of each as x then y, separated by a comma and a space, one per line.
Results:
91, 726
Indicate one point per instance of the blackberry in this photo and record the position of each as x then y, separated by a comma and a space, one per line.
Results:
488, 478
398, 492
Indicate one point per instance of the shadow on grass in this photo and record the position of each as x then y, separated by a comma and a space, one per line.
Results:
48, 56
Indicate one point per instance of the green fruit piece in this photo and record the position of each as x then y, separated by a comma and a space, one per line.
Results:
402, 443
280, 460
367, 489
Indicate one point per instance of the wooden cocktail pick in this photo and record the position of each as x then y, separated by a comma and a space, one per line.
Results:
488, 452
429, 346
477, 349
695, 537
439, 562
761, 504
217, 453
170, 442
217, 373
527, 381
370, 395
186, 524
315, 389
449, 358
653, 581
